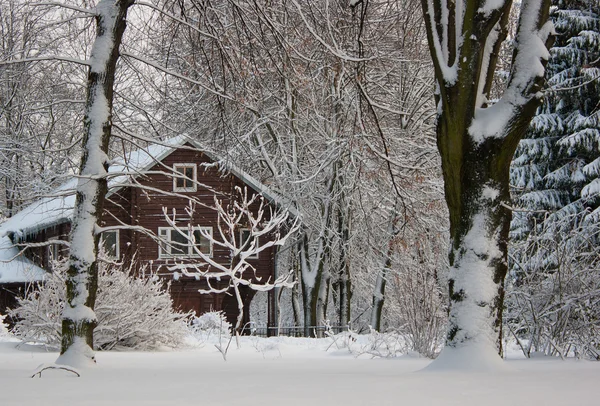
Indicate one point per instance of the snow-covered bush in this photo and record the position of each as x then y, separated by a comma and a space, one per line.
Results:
211, 324
132, 311
386, 345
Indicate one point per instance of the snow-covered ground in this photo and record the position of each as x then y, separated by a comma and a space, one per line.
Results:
287, 371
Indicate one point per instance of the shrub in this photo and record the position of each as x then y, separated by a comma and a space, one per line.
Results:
133, 312
211, 324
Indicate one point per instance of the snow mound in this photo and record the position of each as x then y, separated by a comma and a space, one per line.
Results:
471, 358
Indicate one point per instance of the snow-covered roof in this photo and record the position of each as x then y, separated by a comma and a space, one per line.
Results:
15, 267
58, 208
43, 213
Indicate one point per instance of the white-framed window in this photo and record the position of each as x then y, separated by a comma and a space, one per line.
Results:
184, 179
177, 242
110, 242
245, 236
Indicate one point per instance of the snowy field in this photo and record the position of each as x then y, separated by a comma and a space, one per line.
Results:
286, 371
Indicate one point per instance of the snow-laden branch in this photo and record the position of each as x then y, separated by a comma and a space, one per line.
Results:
334, 51
490, 6
219, 91
440, 45
89, 11
530, 52
46, 58
175, 18
490, 43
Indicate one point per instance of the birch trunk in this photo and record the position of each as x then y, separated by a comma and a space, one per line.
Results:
312, 270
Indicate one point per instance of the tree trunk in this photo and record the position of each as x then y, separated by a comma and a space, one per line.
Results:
312, 277
315, 277
379, 293
296, 295
479, 229
79, 319
476, 142
380, 283
343, 285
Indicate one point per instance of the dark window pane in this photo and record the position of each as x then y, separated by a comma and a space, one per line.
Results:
189, 172
185, 178
179, 242
202, 243
164, 237
109, 243
245, 239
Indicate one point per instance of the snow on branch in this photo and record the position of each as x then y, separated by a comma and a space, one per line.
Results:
440, 45
217, 91
527, 66
46, 58
335, 50
490, 6
67, 6
175, 18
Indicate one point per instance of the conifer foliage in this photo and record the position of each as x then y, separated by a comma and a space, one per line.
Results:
556, 185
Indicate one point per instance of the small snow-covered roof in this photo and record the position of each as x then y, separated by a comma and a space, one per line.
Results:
58, 208
43, 213
16, 268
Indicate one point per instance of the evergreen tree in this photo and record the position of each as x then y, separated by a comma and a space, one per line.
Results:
555, 179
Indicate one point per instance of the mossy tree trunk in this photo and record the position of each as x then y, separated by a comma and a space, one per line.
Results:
476, 141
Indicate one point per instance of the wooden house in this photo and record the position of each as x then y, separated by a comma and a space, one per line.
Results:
173, 180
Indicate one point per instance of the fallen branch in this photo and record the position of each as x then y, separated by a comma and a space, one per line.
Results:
44, 367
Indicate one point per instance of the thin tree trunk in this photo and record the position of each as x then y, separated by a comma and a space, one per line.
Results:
79, 319
315, 278
323, 297
380, 283
296, 294
342, 285
312, 278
